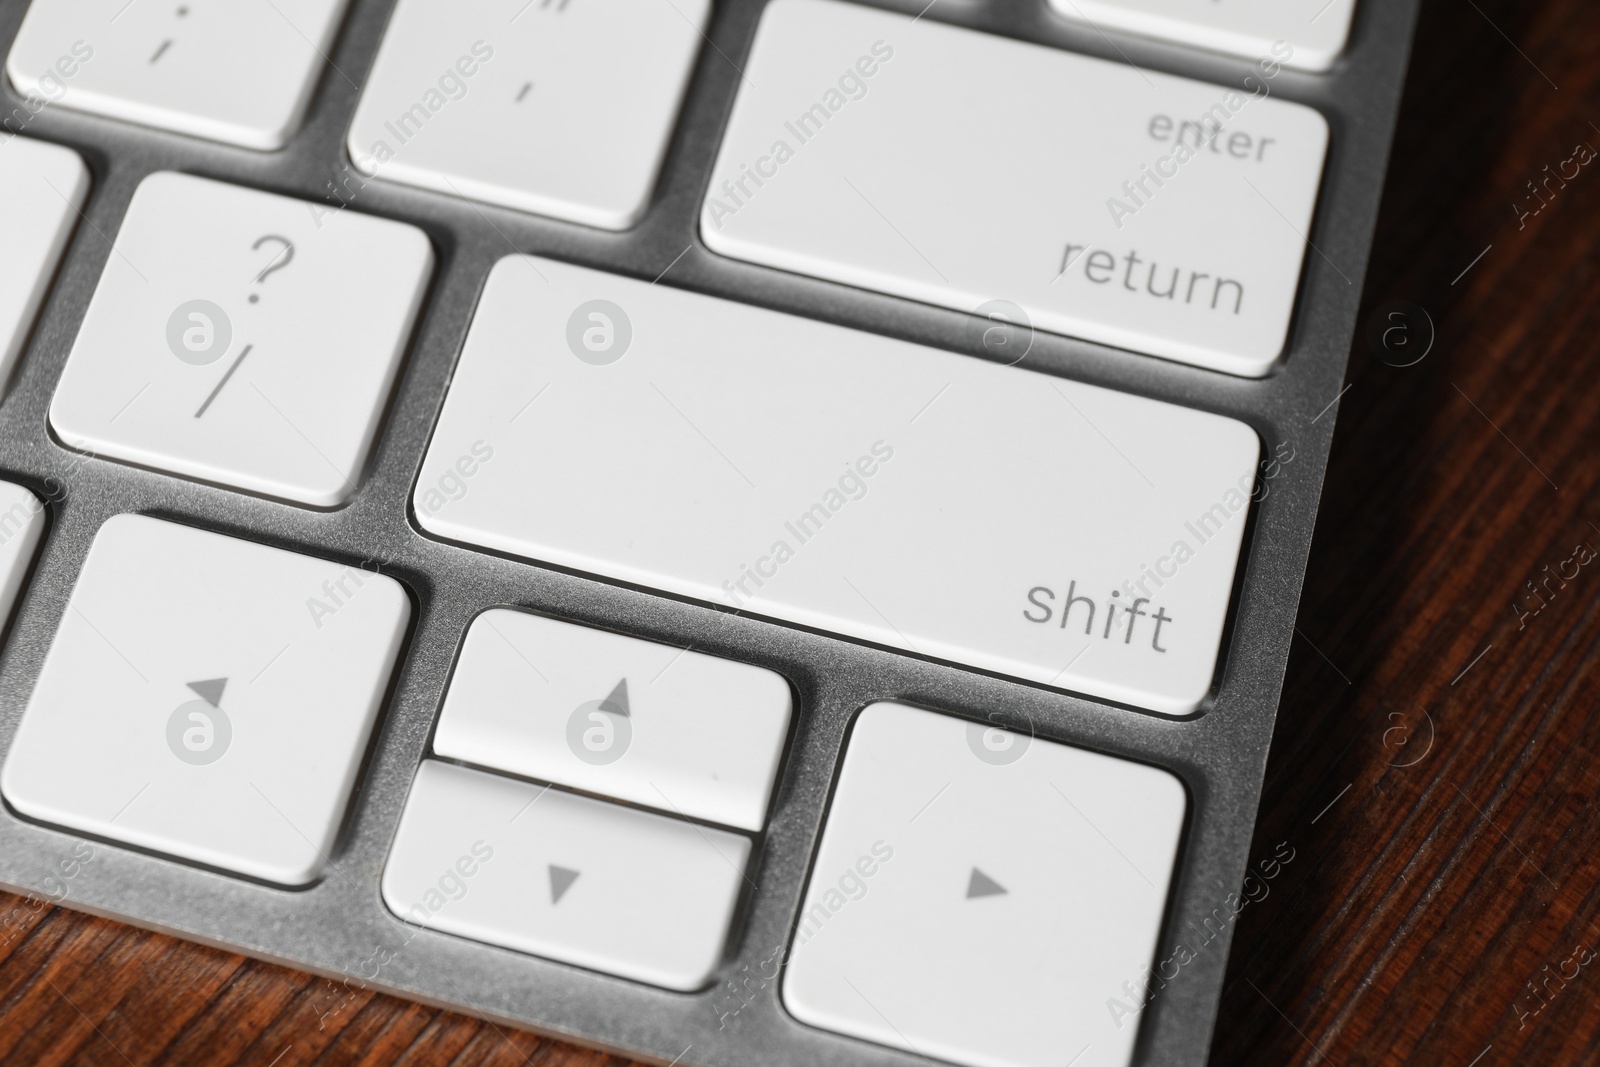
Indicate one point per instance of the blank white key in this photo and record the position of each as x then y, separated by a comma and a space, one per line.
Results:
42, 189
559, 107
1127, 207
984, 897
681, 731
1303, 34
921, 500
237, 71
208, 698
243, 338
21, 527
579, 880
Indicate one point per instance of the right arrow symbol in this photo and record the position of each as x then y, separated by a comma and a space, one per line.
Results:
561, 879
981, 885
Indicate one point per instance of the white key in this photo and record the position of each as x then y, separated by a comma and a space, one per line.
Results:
21, 527
580, 880
243, 338
982, 897
42, 189
1303, 34
208, 698
684, 732
237, 71
963, 169
559, 107
921, 500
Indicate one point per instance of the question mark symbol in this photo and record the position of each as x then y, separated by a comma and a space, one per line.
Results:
279, 262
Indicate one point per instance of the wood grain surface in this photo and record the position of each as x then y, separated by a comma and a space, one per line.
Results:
1438, 746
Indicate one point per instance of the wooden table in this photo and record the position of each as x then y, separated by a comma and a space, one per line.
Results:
1436, 752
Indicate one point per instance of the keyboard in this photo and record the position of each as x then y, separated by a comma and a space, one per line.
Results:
740, 533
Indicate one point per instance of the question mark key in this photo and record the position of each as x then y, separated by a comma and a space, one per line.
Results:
243, 338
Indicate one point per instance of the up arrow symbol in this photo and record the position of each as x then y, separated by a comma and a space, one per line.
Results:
616, 702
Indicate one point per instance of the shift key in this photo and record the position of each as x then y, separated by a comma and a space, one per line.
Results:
935, 504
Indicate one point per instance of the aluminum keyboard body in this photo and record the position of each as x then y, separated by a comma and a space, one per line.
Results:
339, 927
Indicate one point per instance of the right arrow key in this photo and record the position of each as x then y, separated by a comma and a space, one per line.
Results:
1066, 857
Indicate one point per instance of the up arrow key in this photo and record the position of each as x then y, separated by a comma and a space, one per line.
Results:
981, 885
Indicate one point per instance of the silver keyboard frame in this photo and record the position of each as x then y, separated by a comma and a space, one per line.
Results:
337, 926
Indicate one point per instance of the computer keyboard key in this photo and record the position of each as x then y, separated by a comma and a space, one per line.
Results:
240, 73
653, 724
1302, 34
208, 698
558, 108
22, 523
243, 338
42, 189
533, 868
929, 502
1135, 209
985, 897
